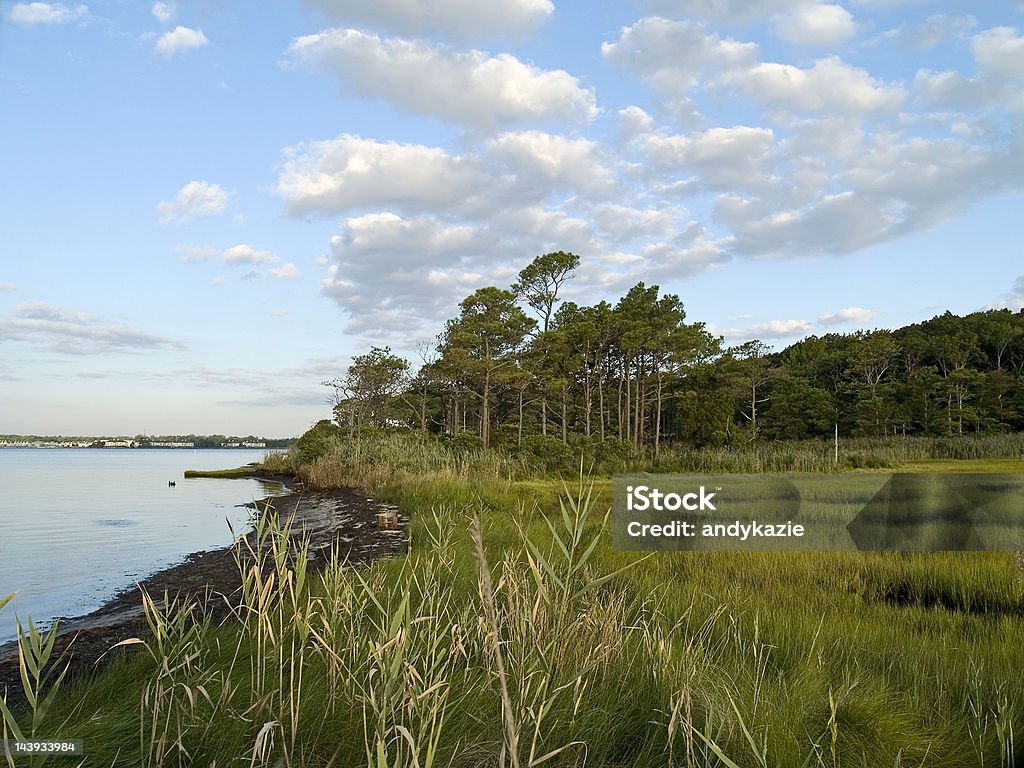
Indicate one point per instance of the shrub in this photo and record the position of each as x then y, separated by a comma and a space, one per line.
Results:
317, 441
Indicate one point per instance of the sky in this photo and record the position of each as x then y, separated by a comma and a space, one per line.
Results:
207, 208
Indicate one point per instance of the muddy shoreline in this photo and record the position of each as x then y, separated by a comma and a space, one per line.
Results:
342, 521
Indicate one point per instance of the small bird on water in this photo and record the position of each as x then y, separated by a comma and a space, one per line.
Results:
170, 483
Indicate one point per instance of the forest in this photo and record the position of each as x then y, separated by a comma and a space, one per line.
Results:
521, 365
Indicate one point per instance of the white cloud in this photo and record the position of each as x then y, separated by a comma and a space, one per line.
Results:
720, 158
876, 189
46, 13
284, 272
950, 89
815, 25
838, 223
459, 19
180, 39
830, 86
625, 224
670, 55
7, 287
451, 261
773, 329
849, 315
679, 56
556, 161
71, 332
237, 255
999, 57
196, 198
467, 87
164, 12
936, 29
727, 11
246, 254
999, 52
350, 172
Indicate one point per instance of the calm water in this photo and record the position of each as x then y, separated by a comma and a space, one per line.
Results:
79, 525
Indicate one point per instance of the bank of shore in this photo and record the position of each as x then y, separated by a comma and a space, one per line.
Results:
341, 521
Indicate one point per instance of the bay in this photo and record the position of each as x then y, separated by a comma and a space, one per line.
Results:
79, 525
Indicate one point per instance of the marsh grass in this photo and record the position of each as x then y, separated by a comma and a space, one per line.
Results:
373, 463
512, 634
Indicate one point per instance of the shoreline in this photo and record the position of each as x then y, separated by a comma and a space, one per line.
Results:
343, 517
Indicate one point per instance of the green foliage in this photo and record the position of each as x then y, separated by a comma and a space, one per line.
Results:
638, 373
40, 680
540, 281
317, 441
372, 380
547, 455
465, 442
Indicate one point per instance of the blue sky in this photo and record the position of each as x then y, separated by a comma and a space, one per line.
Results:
208, 207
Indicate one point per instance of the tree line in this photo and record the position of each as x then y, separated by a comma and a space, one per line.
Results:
520, 363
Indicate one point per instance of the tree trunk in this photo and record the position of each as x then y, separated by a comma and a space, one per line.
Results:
657, 421
565, 416
485, 411
519, 436
588, 403
629, 402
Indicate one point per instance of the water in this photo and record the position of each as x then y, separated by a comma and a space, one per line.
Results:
79, 525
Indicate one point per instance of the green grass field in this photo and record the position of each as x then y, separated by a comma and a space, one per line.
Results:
533, 643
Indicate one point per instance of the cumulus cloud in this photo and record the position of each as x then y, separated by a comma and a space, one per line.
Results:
678, 56
727, 11
7, 287
164, 12
196, 198
350, 172
284, 272
46, 13
459, 19
815, 25
554, 160
467, 87
849, 315
242, 254
773, 329
935, 30
892, 187
419, 291
180, 39
1000, 52
433, 262
670, 55
246, 254
72, 332
739, 157
829, 86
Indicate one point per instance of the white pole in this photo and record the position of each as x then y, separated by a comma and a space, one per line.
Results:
837, 442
